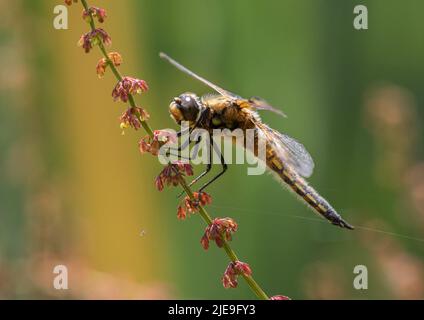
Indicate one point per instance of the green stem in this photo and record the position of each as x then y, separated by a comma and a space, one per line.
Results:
228, 250
115, 71
203, 213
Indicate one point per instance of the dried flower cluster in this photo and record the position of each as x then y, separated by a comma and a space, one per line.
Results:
151, 144
93, 38
235, 269
220, 229
193, 205
133, 117
94, 12
172, 174
113, 57
128, 86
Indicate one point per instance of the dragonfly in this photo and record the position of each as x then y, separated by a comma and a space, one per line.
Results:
285, 157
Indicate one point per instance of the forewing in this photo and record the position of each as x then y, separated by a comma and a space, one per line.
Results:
187, 71
255, 103
261, 104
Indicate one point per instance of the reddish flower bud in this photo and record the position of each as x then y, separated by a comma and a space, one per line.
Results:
172, 174
279, 298
191, 205
220, 229
243, 268
159, 184
165, 136
160, 137
69, 2
133, 117
204, 241
229, 281
147, 144
203, 197
144, 144
186, 169
200, 199
181, 213
101, 67
234, 269
128, 86
114, 57
94, 12
94, 37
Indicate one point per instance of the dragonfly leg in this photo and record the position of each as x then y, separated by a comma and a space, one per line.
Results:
208, 166
186, 143
224, 166
183, 145
204, 173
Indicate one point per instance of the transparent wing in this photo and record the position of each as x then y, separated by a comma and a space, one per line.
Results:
261, 104
187, 71
297, 155
289, 150
254, 102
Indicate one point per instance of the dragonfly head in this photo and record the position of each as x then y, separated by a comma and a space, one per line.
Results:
186, 107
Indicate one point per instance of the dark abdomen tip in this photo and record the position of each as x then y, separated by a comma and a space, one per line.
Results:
343, 224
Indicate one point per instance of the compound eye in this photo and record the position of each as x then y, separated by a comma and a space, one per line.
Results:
189, 106
188, 101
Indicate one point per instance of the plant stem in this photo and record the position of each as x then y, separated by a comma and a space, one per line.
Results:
228, 250
115, 71
203, 213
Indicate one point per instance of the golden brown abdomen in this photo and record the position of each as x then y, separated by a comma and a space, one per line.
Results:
302, 189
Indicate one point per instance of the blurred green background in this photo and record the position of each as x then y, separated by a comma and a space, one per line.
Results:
74, 191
